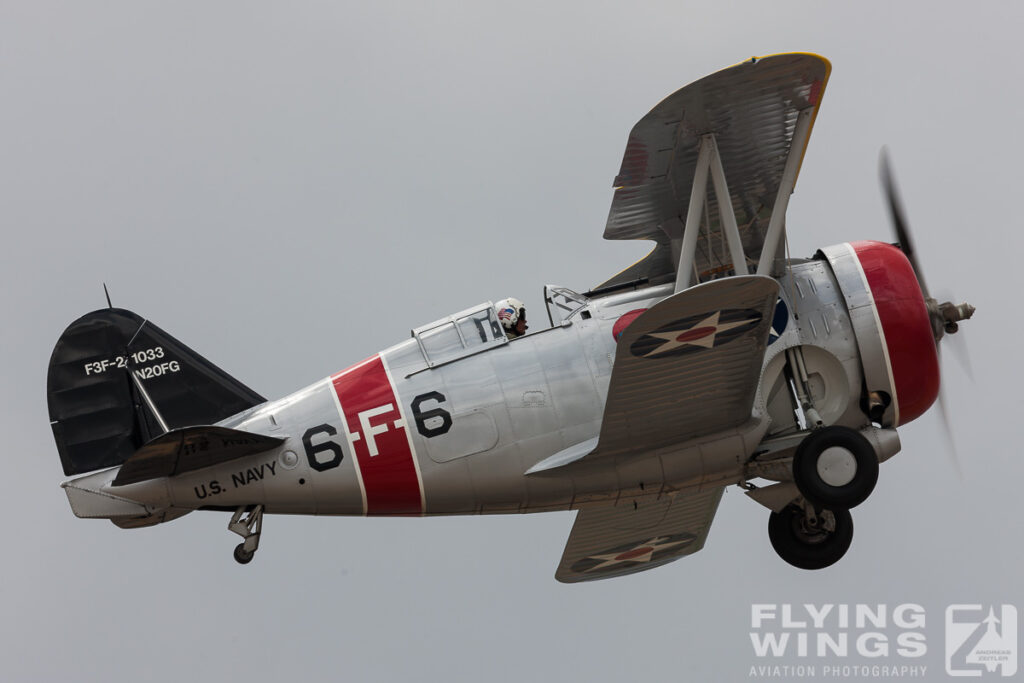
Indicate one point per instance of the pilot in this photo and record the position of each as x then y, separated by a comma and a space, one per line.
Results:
512, 314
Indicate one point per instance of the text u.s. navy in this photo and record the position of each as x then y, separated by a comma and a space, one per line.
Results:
238, 479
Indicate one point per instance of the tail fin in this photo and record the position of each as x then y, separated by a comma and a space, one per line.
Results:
98, 415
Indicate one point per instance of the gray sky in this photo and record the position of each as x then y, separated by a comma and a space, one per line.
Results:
289, 187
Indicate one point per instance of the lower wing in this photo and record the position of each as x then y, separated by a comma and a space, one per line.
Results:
631, 537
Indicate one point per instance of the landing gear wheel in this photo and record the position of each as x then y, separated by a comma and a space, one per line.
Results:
835, 467
248, 523
243, 556
812, 541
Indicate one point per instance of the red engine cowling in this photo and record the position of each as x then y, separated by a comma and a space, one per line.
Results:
896, 342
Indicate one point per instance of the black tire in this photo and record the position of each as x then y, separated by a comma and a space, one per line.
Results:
809, 548
242, 556
807, 474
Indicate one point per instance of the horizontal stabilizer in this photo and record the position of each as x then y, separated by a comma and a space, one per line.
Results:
91, 498
92, 503
191, 448
158, 517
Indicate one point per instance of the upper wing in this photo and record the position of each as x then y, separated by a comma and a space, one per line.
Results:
752, 108
623, 539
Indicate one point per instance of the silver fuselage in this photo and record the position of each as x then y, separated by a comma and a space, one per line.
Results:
510, 405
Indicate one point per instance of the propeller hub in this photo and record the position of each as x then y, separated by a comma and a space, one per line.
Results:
945, 317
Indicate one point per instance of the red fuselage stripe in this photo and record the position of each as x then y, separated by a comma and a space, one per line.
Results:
379, 439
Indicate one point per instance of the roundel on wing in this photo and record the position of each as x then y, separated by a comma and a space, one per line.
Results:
696, 333
630, 555
624, 321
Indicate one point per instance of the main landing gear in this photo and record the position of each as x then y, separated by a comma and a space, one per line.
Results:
808, 539
247, 522
834, 469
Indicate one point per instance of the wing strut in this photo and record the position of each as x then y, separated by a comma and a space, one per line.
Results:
708, 160
777, 223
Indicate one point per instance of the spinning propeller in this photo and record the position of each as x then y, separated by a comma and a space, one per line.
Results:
946, 316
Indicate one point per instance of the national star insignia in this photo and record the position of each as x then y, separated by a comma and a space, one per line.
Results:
701, 334
642, 552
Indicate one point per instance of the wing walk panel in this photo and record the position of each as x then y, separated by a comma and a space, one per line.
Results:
689, 366
623, 539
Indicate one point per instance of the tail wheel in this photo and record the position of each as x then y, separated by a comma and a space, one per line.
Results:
835, 467
248, 523
243, 556
813, 543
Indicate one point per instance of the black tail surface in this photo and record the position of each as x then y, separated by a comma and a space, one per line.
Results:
98, 415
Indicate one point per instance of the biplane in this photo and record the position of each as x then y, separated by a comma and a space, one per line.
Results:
714, 361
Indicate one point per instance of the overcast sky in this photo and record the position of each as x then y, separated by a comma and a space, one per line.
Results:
289, 187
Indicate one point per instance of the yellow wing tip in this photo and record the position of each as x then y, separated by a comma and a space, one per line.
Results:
815, 55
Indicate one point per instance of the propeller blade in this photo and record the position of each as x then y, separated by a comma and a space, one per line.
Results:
899, 221
945, 417
960, 350
940, 315
958, 342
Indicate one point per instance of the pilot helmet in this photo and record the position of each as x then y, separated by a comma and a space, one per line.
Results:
510, 311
